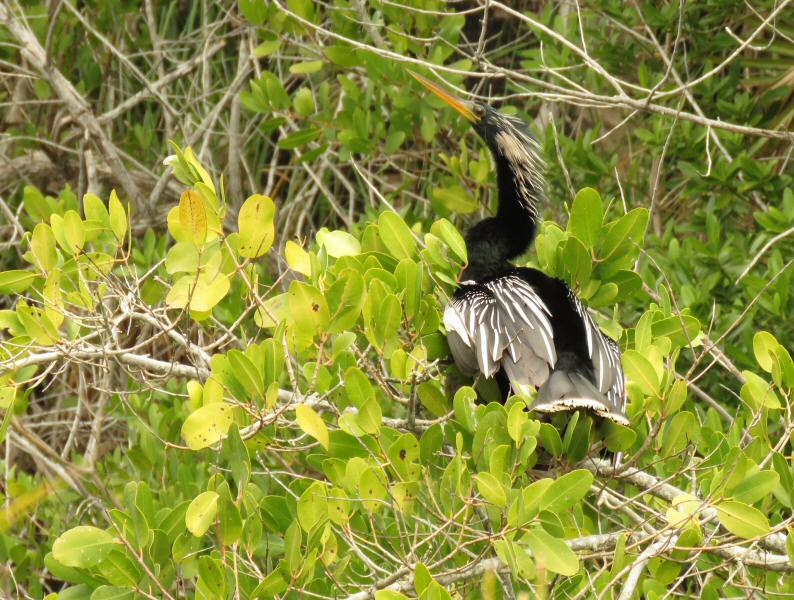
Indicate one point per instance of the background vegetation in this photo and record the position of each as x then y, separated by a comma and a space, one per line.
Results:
227, 378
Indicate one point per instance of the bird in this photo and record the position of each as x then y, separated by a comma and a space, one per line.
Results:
517, 324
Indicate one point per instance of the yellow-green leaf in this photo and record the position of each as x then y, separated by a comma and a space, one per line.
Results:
338, 243
118, 216
193, 216
311, 423
43, 245
16, 281
297, 258
491, 489
742, 520
74, 230
207, 425
201, 292
371, 488
83, 546
255, 224
764, 346
201, 513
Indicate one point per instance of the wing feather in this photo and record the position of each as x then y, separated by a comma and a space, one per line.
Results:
605, 356
502, 323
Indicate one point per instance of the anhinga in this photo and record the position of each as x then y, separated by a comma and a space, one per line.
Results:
516, 323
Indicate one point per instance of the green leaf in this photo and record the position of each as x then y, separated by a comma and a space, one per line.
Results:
552, 553
578, 261
16, 281
201, 513
371, 488
675, 397
211, 584
618, 438
299, 138
43, 245
255, 226
463, 403
202, 293
433, 399
182, 257
312, 507
567, 490
404, 455
396, 235
757, 393
629, 226
207, 425
389, 595
255, 11
308, 308
338, 506
422, 578
742, 520
491, 489
452, 238
551, 439
515, 421
311, 423
587, 215
229, 519
681, 428
83, 546
343, 56
113, 592
455, 199
639, 370
267, 47
755, 487
305, 68
764, 347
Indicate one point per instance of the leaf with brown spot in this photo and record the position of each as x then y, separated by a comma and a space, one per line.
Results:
193, 216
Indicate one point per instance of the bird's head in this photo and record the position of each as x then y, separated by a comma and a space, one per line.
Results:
508, 137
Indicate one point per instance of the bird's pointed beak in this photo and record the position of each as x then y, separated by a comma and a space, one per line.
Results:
463, 107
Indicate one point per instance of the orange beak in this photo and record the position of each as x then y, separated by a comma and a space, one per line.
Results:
459, 105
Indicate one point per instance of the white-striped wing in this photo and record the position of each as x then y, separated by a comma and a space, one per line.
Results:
605, 356
502, 323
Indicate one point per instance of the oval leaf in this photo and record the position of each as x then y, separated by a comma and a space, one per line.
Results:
207, 425
310, 422
552, 553
83, 546
491, 489
201, 513
255, 224
567, 490
396, 235
742, 520
193, 216
16, 281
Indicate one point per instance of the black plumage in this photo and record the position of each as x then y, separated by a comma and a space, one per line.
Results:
519, 325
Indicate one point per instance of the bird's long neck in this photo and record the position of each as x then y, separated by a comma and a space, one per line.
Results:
494, 241
517, 212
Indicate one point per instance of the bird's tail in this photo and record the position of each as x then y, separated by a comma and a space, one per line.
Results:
569, 389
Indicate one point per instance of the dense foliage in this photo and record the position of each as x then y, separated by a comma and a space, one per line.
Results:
230, 231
